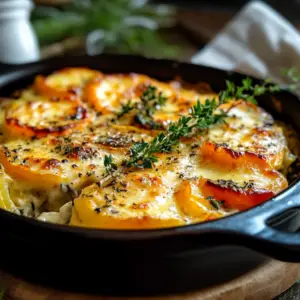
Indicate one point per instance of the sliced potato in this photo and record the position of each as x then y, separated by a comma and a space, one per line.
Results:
193, 204
5, 200
137, 200
107, 93
59, 131
76, 158
40, 118
66, 83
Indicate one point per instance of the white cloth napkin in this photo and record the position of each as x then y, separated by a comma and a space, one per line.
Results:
258, 41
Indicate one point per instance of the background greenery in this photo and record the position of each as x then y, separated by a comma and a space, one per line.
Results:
128, 26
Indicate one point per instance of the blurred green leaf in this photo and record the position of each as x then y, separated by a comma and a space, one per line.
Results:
84, 16
41, 12
51, 30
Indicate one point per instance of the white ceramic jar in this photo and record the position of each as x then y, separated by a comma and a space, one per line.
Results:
18, 43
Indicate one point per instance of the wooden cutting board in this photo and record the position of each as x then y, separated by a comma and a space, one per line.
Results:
265, 282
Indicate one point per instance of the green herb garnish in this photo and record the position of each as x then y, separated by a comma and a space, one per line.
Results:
151, 101
204, 114
201, 117
125, 109
217, 204
294, 76
125, 25
109, 165
247, 91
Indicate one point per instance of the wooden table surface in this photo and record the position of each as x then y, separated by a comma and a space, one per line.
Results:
262, 283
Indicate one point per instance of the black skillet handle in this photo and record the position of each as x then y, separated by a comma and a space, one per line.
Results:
5, 68
252, 228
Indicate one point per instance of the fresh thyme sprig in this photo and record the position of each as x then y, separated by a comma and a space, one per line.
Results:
247, 91
217, 204
205, 114
109, 165
142, 153
151, 100
125, 109
201, 116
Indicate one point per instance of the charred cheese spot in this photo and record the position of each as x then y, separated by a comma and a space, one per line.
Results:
51, 164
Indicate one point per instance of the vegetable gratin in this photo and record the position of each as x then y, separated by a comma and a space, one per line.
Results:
126, 151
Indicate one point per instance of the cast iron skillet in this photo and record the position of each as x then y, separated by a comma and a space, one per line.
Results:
154, 261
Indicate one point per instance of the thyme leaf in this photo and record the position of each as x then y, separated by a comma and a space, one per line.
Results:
109, 165
247, 91
125, 109
200, 117
217, 204
151, 101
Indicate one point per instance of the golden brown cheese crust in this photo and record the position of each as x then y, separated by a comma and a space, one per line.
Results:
40, 118
57, 133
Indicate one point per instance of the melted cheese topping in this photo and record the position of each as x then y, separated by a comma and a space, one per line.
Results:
57, 133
